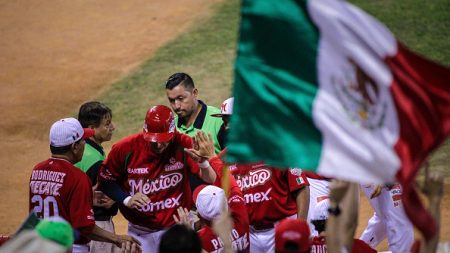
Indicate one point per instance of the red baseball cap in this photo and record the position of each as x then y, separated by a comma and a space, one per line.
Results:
293, 231
159, 124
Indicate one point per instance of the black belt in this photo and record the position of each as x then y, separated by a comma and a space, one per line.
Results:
263, 226
102, 218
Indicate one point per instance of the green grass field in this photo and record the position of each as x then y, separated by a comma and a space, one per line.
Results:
207, 53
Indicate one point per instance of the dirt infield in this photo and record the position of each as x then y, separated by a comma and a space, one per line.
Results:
57, 54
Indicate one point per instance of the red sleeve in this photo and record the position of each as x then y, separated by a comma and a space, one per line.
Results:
236, 201
81, 213
296, 179
111, 169
237, 207
239, 213
217, 165
361, 247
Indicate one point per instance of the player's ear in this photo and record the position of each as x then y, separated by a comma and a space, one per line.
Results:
77, 147
195, 92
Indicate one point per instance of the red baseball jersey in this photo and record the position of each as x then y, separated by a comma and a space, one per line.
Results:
240, 232
162, 177
57, 188
360, 246
268, 191
318, 245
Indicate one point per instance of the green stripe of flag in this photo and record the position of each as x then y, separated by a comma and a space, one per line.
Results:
275, 77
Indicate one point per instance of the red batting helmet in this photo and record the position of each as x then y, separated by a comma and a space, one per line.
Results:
159, 125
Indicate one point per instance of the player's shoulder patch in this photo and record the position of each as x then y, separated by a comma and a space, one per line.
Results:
296, 171
300, 180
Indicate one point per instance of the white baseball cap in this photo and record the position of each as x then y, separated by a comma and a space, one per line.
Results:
67, 131
226, 108
209, 200
321, 210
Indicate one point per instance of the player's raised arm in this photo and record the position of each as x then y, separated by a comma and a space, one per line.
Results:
433, 189
201, 152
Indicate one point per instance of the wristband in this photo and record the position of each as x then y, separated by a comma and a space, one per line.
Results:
126, 200
204, 164
334, 210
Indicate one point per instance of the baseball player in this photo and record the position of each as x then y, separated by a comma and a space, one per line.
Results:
270, 194
389, 218
57, 188
98, 116
319, 189
319, 219
209, 201
148, 174
292, 236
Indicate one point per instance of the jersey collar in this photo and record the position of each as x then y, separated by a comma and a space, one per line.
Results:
96, 146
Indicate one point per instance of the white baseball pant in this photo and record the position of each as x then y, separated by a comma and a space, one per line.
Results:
388, 220
80, 248
262, 241
104, 247
149, 239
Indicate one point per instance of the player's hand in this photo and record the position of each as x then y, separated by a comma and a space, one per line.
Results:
101, 200
98, 198
107, 202
128, 244
183, 217
205, 145
376, 191
194, 154
138, 199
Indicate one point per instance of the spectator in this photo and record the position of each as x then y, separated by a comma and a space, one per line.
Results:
52, 235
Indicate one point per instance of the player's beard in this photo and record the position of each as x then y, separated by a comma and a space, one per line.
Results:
184, 115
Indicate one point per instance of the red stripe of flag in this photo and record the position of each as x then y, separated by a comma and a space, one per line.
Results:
421, 90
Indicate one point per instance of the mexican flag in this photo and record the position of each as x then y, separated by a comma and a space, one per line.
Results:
324, 86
